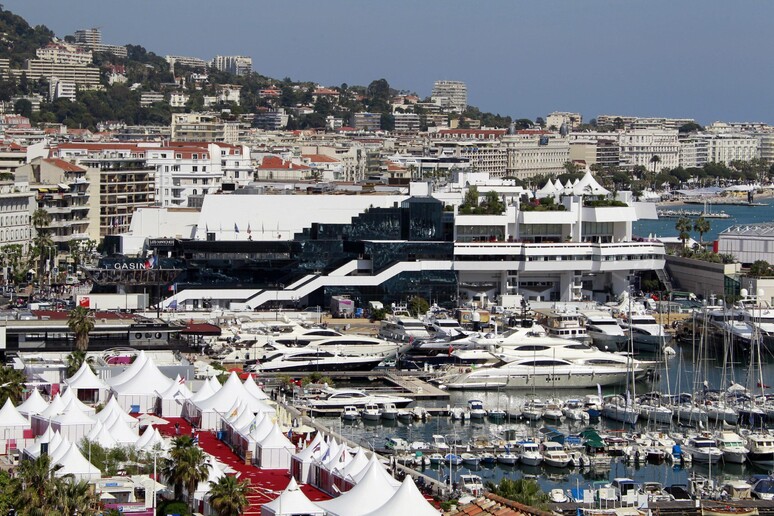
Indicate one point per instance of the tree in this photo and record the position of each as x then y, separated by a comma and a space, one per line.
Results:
418, 305
470, 201
81, 321
41, 220
23, 107
655, 160
11, 384
185, 467
75, 360
524, 490
760, 268
701, 226
228, 496
690, 127
684, 226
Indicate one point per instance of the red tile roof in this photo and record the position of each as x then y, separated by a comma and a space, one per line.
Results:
319, 158
277, 163
64, 165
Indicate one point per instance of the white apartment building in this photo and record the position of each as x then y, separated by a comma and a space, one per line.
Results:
451, 95
766, 146
725, 148
91, 39
558, 119
406, 122
60, 89
17, 203
236, 65
178, 99
634, 122
535, 154
149, 98
65, 54
638, 146
694, 152
193, 62
184, 170
82, 75
197, 127
483, 155
230, 93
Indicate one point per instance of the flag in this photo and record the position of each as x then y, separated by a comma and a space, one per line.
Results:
451, 349
182, 381
290, 433
150, 262
173, 287
316, 448
248, 228
84, 302
236, 228
173, 304
252, 426
327, 453
234, 412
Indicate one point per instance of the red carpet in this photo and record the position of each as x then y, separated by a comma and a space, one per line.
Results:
265, 484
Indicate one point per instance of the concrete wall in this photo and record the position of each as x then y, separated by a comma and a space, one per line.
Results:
700, 277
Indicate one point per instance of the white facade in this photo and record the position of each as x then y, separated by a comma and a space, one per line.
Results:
59, 89
748, 243
693, 152
236, 65
65, 54
483, 155
178, 99
638, 146
570, 120
147, 99
536, 154
725, 148
451, 95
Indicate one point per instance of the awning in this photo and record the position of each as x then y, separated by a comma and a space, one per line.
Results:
200, 329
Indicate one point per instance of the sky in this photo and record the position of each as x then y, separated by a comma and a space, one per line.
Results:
704, 59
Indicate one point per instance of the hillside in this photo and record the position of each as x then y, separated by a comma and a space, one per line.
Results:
19, 41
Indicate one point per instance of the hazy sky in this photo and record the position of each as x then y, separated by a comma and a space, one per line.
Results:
707, 59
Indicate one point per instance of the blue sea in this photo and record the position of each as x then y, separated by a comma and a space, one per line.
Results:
739, 215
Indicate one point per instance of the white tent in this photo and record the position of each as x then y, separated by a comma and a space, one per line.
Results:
205, 391
406, 500
33, 449
588, 186
358, 463
122, 432
156, 441
58, 447
68, 396
170, 403
74, 463
290, 502
370, 493
373, 462
252, 388
301, 462
73, 423
35, 404
207, 413
40, 421
87, 386
548, 190
100, 435
112, 410
275, 450
203, 488
144, 438
129, 372
139, 393
14, 428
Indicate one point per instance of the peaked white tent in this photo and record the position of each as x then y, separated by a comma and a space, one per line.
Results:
156, 441
129, 372
113, 410
170, 402
207, 413
275, 450
301, 462
588, 186
74, 463
369, 494
122, 432
68, 396
34, 404
252, 388
290, 502
33, 449
205, 391
406, 500
373, 462
87, 386
73, 423
144, 438
548, 190
58, 448
140, 392
41, 421
100, 435
358, 463
15, 429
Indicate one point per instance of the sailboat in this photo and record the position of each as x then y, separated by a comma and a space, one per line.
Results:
618, 407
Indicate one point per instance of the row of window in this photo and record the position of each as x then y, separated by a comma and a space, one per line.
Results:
556, 258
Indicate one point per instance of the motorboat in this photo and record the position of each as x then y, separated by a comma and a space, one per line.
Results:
452, 459
646, 334
625, 489
405, 415
574, 410
555, 455
371, 412
592, 404
761, 448
340, 398
476, 409
618, 408
435, 458
529, 453
655, 492
733, 448
488, 459
301, 360
542, 372
471, 484
350, 413
439, 442
470, 459
459, 414
558, 496
441, 325
762, 487
736, 490
400, 326
497, 414
604, 331
532, 410
703, 449
507, 458
553, 410
562, 321
389, 411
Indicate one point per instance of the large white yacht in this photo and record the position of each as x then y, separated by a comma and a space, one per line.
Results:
562, 321
605, 332
402, 327
541, 372
340, 398
647, 335
310, 359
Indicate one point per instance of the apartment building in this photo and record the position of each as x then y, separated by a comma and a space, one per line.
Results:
367, 122
639, 146
766, 146
197, 127
535, 153
148, 98
61, 89
593, 148
651, 123
407, 122
122, 176
83, 76
193, 62
557, 119
62, 53
184, 170
17, 203
725, 148
271, 120
450, 95
489, 156
178, 99
230, 93
235, 65
62, 189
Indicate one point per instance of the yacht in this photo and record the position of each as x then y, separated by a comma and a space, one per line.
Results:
402, 327
472, 484
340, 398
532, 410
563, 322
733, 448
554, 455
605, 332
723, 323
350, 413
389, 411
442, 326
647, 335
507, 458
476, 409
529, 453
313, 360
703, 449
617, 408
761, 448
371, 412
651, 410
542, 372
575, 411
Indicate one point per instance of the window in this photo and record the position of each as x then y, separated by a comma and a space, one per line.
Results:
194, 168
204, 168
178, 156
195, 156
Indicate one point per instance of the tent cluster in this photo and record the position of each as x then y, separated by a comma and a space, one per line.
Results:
364, 485
213, 402
584, 186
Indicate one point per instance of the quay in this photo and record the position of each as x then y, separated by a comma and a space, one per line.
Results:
681, 507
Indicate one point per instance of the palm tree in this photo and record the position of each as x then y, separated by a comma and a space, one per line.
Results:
655, 160
35, 485
75, 360
81, 322
185, 467
228, 496
701, 226
684, 226
71, 497
11, 384
41, 220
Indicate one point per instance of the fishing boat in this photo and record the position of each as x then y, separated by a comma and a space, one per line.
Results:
350, 413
